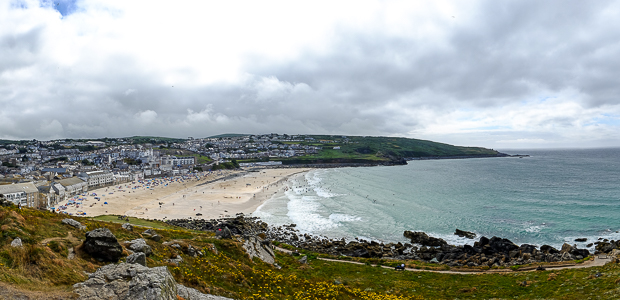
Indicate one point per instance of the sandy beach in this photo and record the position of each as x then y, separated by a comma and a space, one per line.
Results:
214, 195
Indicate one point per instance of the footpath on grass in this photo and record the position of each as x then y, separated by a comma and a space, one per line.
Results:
595, 261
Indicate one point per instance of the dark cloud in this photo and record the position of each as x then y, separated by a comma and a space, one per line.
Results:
488, 66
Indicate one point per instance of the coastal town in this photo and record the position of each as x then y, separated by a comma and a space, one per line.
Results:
41, 174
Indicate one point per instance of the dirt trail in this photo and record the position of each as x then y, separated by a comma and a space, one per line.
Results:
69, 237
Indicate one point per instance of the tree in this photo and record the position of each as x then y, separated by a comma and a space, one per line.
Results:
235, 163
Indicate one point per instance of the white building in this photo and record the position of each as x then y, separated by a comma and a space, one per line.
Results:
24, 194
72, 186
97, 178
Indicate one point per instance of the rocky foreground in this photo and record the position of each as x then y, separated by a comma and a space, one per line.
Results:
491, 252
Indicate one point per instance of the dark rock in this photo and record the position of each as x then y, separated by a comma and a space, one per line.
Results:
566, 248
502, 245
482, 242
526, 248
224, 233
466, 234
423, 238
471, 250
581, 240
102, 245
548, 249
604, 247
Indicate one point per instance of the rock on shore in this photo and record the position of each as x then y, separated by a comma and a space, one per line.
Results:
490, 252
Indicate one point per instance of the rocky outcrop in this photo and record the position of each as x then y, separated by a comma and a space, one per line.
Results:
223, 233
152, 234
255, 246
73, 223
183, 247
240, 225
466, 234
137, 258
136, 282
102, 245
418, 237
139, 245
127, 226
489, 252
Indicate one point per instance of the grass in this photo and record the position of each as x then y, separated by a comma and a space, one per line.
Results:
134, 221
224, 269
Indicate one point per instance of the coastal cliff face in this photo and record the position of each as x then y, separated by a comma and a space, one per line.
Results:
493, 252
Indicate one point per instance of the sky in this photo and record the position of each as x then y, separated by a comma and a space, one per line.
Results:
496, 74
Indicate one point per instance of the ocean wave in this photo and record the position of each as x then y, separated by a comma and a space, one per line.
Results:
344, 218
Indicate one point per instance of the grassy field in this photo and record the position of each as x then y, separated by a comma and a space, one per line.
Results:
377, 149
42, 264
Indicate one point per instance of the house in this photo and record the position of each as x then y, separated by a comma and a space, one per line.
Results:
24, 194
73, 186
97, 178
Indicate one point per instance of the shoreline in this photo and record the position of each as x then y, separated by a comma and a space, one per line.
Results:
486, 253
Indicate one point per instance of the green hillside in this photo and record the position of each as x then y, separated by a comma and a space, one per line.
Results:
44, 269
357, 149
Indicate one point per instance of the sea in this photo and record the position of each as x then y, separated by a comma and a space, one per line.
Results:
549, 198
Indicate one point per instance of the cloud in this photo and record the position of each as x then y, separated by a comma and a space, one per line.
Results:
478, 73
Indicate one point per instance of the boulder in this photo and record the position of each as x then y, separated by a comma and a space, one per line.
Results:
500, 245
133, 281
581, 240
137, 258
139, 245
152, 234
303, 259
424, 239
102, 245
604, 247
254, 247
73, 223
548, 249
360, 252
581, 252
127, 226
177, 260
566, 248
466, 234
17, 242
224, 233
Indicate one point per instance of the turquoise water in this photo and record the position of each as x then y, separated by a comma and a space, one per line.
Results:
552, 197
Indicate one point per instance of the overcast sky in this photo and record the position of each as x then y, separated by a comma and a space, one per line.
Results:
497, 74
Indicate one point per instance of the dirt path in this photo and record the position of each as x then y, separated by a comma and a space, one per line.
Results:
596, 262
69, 237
